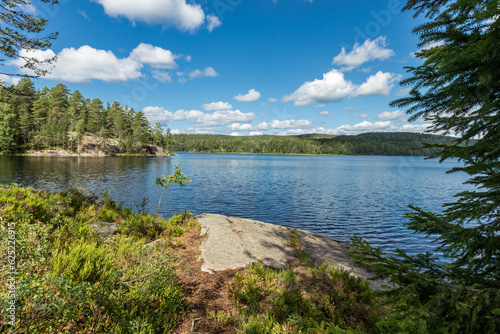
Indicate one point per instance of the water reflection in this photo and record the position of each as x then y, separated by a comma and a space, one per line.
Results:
337, 196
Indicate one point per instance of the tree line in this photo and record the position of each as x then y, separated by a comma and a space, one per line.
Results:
32, 119
396, 143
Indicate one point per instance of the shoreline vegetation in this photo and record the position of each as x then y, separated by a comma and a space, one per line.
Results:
84, 264
375, 144
56, 119
381, 144
58, 122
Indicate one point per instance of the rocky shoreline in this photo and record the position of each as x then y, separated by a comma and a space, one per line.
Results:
99, 147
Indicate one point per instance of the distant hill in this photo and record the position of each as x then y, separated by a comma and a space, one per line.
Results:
386, 143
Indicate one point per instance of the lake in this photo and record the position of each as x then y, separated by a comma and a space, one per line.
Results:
336, 196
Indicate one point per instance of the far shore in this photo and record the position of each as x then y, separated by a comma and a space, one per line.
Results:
60, 153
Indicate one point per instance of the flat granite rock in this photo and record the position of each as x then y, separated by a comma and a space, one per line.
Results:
237, 242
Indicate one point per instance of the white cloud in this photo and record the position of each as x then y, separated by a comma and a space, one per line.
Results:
428, 46
213, 22
221, 117
332, 87
201, 119
321, 106
403, 92
275, 124
395, 115
362, 127
207, 72
362, 116
234, 134
154, 56
252, 96
84, 14
188, 58
370, 50
324, 113
9, 80
255, 133
177, 13
162, 76
84, 64
272, 100
379, 84
217, 106
350, 108
359, 128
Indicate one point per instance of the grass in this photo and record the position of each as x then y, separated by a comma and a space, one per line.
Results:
145, 278
70, 280
303, 298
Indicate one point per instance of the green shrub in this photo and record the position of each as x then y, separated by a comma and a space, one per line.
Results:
71, 281
279, 301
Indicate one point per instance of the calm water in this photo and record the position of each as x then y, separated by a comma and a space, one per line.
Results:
337, 196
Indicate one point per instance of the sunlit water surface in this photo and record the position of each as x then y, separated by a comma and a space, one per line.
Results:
336, 196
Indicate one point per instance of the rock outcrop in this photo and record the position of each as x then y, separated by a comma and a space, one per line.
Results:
92, 146
236, 242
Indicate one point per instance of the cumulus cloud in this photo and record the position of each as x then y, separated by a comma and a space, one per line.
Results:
255, 133
379, 84
201, 119
275, 124
162, 76
213, 22
207, 72
252, 96
154, 56
324, 113
395, 115
362, 116
84, 64
370, 50
362, 127
217, 106
9, 80
332, 87
272, 100
178, 13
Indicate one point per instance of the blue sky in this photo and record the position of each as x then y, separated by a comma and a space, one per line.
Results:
238, 67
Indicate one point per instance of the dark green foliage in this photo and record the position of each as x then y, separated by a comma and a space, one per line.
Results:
287, 301
403, 144
57, 118
20, 31
457, 88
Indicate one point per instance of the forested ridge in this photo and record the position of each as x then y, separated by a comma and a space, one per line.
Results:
32, 119
394, 143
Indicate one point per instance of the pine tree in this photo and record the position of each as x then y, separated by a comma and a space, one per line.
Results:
94, 121
58, 102
457, 88
22, 104
9, 126
19, 31
116, 121
76, 107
